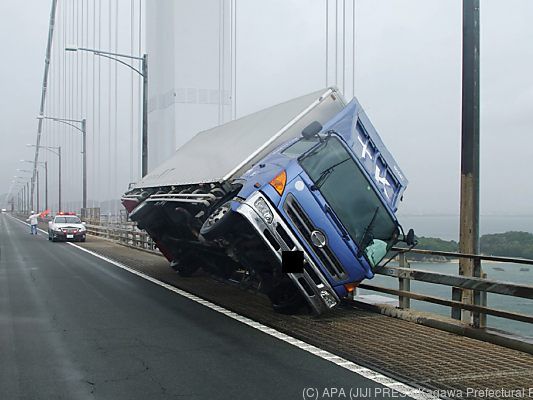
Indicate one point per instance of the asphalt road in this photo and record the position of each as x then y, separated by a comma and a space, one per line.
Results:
73, 326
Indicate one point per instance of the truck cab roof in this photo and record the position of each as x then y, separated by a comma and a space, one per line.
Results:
354, 126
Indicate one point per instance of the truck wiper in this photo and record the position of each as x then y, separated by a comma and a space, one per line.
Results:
368, 235
326, 173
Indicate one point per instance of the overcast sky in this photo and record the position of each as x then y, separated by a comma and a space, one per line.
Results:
408, 76
23, 40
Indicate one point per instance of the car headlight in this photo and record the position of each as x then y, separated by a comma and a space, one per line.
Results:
263, 208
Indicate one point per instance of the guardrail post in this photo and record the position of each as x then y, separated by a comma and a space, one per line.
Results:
404, 284
480, 298
457, 295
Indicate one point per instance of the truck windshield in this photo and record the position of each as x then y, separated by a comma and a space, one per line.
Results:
344, 186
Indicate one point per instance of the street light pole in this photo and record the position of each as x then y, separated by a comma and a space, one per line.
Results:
144, 73
57, 152
84, 139
45, 165
83, 130
46, 185
37, 177
59, 167
144, 151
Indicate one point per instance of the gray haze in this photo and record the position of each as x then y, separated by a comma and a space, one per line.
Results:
407, 76
23, 41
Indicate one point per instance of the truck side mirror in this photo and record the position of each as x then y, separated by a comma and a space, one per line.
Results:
410, 238
312, 130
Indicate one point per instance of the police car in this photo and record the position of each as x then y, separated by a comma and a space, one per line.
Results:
66, 226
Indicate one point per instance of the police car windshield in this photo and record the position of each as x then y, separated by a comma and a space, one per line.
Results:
67, 220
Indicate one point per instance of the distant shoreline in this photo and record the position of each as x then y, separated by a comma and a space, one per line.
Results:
517, 244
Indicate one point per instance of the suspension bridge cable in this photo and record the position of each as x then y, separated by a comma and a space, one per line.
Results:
51, 25
354, 45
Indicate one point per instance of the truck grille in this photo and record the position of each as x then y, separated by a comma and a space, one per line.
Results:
304, 225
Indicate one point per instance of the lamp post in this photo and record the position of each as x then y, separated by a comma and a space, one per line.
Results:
57, 152
25, 191
37, 182
83, 129
45, 165
143, 72
21, 193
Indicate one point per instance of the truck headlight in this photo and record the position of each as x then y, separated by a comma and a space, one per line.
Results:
263, 208
328, 298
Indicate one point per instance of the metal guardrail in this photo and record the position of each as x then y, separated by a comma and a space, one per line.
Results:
128, 234
480, 286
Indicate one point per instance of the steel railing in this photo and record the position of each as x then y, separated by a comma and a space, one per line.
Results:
128, 234
479, 286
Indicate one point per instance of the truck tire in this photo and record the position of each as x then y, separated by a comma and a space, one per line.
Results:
184, 270
218, 222
286, 299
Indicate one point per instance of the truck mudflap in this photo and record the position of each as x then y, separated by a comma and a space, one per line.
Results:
279, 238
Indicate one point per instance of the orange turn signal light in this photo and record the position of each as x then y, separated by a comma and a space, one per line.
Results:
350, 287
279, 182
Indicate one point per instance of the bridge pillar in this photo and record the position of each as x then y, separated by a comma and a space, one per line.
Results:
469, 217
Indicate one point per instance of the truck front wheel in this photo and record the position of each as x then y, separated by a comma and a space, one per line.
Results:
218, 222
184, 269
286, 299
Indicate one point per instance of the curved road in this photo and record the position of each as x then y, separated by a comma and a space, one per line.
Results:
73, 326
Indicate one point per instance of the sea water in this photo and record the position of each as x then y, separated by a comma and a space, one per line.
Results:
497, 271
447, 227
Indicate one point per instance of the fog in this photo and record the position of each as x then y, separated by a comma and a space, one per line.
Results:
407, 76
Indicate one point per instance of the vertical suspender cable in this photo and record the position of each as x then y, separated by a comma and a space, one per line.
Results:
353, 46
234, 59
224, 38
61, 128
109, 70
140, 103
343, 53
132, 77
336, 42
66, 101
220, 7
115, 158
95, 149
327, 40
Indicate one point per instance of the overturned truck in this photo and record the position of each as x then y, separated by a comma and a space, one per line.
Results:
297, 201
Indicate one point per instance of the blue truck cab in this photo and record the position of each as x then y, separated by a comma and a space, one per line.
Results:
296, 201
330, 194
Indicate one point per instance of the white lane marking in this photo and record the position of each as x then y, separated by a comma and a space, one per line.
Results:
323, 354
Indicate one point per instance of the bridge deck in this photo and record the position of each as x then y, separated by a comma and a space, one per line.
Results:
407, 351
